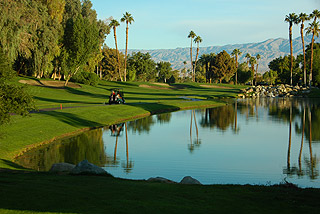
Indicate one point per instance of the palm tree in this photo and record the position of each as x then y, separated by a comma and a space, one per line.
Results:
236, 53
315, 14
248, 56
252, 62
191, 35
197, 40
315, 30
114, 24
127, 17
301, 19
257, 57
291, 18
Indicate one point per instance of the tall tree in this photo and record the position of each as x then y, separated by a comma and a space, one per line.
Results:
224, 66
257, 58
128, 19
236, 53
114, 24
315, 15
192, 35
248, 56
313, 28
164, 71
252, 62
197, 40
291, 18
301, 19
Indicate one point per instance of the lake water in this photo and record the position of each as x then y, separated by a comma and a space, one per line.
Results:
262, 141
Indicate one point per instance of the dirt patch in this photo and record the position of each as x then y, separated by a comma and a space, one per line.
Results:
153, 87
50, 84
215, 86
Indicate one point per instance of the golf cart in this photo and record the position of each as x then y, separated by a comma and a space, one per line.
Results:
116, 96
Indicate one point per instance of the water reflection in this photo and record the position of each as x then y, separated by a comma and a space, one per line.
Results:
88, 145
257, 139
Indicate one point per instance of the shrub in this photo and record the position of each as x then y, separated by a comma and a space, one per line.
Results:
86, 78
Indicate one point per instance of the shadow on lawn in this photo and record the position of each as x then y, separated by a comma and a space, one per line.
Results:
10, 164
63, 101
72, 119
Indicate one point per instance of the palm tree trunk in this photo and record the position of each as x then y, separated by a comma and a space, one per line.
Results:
191, 60
116, 43
125, 60
236, 69
304, 56
195, 62
310, 77
291, 52
256, 74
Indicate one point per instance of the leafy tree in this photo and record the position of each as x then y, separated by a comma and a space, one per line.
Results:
244, 73
13, 98
127, 17
206, 61
141, 67
291, 18
191, 35
80, 40
164, 71
109, 63
315, 63
270, 76
224, 67
313, 28
236, 53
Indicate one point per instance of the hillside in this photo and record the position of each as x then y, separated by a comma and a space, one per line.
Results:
268, 49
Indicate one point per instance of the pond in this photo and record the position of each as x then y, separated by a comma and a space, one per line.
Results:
261, 141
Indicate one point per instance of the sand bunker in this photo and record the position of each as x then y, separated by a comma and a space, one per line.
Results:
215, 86
153, 87
48, 83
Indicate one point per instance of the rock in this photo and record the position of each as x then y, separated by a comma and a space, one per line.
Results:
161, 180
62, 168
189, 180
86, 168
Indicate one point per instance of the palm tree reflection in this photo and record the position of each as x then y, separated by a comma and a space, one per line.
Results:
196, 142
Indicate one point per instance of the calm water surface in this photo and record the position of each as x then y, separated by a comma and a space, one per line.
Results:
246, 142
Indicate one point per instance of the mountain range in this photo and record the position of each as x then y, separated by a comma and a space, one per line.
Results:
268, 50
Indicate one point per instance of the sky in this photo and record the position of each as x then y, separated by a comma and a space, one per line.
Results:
165, 24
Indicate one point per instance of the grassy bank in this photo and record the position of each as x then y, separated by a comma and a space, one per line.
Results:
84, 108
46, 193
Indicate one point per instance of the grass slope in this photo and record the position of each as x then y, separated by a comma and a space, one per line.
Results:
83, 108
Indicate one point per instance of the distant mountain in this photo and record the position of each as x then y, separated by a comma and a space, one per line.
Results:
269, 50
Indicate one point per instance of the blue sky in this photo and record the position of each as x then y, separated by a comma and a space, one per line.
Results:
165, 24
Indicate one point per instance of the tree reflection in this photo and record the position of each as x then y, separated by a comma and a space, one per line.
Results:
164, 118
88, 145
220, 118
141, 125
194, 142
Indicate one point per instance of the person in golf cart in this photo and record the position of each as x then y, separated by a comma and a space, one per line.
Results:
116, 97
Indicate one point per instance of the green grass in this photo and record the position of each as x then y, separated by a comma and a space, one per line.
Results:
25, 192
47, 193
27, 132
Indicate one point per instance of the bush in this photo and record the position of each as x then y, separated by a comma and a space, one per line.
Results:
86, 78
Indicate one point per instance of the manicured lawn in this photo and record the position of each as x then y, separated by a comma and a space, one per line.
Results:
46, 193
89, 110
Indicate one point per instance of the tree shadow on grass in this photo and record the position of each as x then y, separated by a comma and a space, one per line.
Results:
84, 93
10, 165
59, 101
72, 119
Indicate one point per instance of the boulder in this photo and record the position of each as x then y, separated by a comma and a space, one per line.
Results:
161, 180
189, 180
62, 168
87, 168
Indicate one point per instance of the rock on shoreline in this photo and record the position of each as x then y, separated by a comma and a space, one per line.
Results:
275, 91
